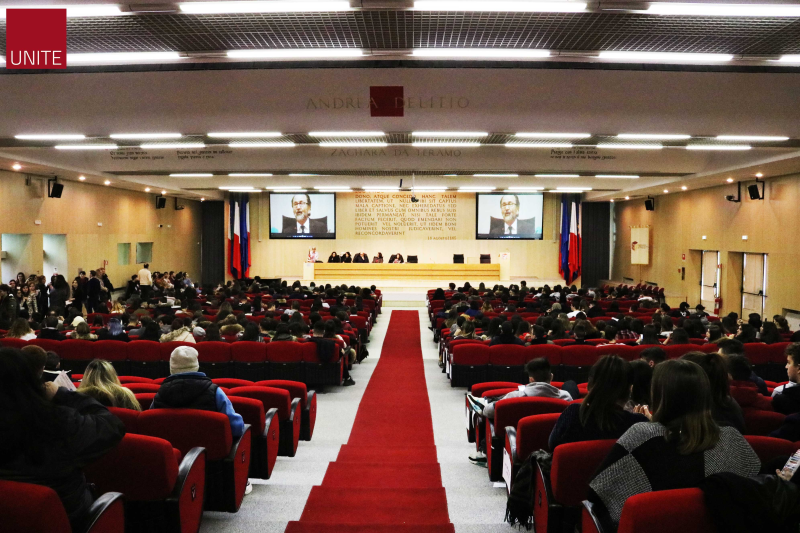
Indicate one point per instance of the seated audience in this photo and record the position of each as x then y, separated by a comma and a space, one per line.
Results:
786, 398
729, 347
539, 378
20, 329
282, 333
724, 409
678, 449
50, 329
100, 381
48, 434
506, 336
114, 332
82, 332
601, 415
179, 333
640, 390
649, 336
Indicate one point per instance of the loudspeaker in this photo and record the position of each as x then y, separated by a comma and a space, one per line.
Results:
161, 202
178, 206
650, 205
755, 194
55, 190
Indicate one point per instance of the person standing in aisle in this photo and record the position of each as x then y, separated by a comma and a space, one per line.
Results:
145, 282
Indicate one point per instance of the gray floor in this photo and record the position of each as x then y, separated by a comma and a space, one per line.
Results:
475, 505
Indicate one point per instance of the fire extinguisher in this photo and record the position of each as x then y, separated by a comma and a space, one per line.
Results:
717, 305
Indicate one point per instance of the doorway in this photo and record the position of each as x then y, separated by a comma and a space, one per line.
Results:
709, 277
54, 257
754, 284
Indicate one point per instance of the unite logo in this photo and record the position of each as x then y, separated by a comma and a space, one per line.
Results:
36, 39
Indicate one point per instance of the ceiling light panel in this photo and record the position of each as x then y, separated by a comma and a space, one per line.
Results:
94, 10
50, 137
138, 136
729, 147
495, 175
191, 175
666, 57
631, 146
257, 144
724, 10
654, 136
245, 134
353, 144
562, 6
122, 57
478, 53
469, 134
274, 6
296, 53
86, 147
534, 135
346, 133
538, 145
752, 138
445, 144
249, 175
171, 146
617, 176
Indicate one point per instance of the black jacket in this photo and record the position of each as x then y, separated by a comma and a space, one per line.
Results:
787, 402
8, 311
187, 391
86, 430
50, 333
94, 289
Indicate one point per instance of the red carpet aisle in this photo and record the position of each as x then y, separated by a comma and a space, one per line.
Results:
386, 478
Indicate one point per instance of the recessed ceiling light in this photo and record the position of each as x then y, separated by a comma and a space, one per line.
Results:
612, 200
617, 176
495, 175
500, 5
353, 144
442, 144
534, 135
244, 134
759, 175
449, 134
145, 135
666, 56
239, 189
729, 180
524, 189
295, 53
94, 10
723, 147
263, 7
86, 147
557, 175
611, 146
236, 187
684, 187
724, 10
123, 57
303, 175
666, 191
346, 133
107, 182
654, 136
789, 58
287, 189
539, 145
147, 189
249, 175
477, 53
192, 175
50, 137
754, 138
16, 166
202, 199
245, 144
627, 197
172, 146
82, 178
163, 192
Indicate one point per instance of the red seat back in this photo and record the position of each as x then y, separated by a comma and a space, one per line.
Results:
296, 389
29, 508
479, 388
758, 353
144, 351
213, 352
14, 343
629, 353
471, 354
270, 397
768, 448
168, 347
777, 352
578, 355
49, 345
252, 412
758, 422
675, 351
507, 355
533, 433
308, 352
574, 466
145, 399
188, 428
111, 350
249, 352
284, 352
74, 350
132, 379
510, 411
129, 417
232, 383
141, 467
551, 352
666, 511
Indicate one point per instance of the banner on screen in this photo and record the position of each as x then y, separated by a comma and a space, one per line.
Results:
640, 245
509, 216
302, 216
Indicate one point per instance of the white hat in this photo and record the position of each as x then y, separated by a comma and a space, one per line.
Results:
183, 359
77, 320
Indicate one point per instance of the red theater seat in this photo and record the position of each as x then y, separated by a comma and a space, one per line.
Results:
308, 403
215, 359
146, 359
285, 361
320, 372
757, 422
29, 508
507, 413
507, 362
264, 432
557, 497
75, 354
249, 360
160, 494
577, 361
768, 448
142, 387
131, 379
288, 413
666, 511
469, 365
532, 433
228, 461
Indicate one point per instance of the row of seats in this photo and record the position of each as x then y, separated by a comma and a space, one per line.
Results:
472, 362
255, 361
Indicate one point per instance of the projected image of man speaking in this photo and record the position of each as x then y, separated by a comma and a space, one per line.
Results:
511, 224
302, 223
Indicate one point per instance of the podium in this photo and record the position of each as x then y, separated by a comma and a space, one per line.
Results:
504, 260
308, 272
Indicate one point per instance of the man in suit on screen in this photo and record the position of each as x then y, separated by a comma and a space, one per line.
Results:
302, 223
511, 224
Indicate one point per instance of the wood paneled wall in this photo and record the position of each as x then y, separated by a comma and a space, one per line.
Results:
679, 223
126, 217
284, 258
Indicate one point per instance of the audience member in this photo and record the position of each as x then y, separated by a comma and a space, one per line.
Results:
725, 410
100, 381
786, 398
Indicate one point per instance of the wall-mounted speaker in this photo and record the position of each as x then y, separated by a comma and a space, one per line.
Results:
650, 204
161, 202
54, 188
178, 206
755, 192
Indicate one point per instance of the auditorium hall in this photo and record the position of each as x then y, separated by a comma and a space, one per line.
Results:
399, 266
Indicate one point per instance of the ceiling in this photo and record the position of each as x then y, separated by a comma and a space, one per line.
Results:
391, 34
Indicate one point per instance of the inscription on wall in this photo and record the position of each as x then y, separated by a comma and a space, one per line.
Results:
392, 214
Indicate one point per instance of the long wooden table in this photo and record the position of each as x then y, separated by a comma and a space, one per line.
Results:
406, 271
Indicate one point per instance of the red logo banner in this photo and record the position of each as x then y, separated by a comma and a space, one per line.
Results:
36, 39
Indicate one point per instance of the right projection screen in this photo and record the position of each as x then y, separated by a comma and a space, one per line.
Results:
509, 216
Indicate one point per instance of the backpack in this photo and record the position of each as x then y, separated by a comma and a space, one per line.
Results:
519, 507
